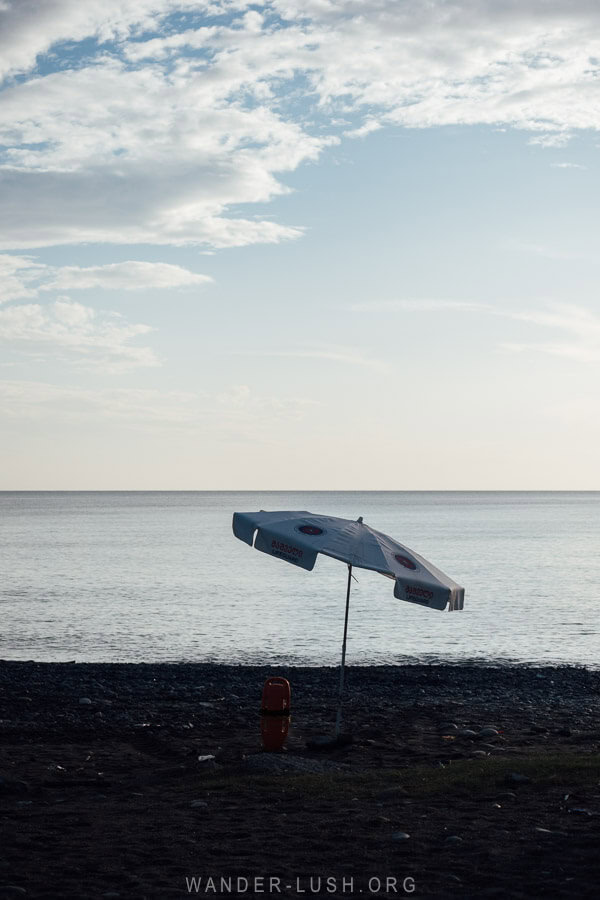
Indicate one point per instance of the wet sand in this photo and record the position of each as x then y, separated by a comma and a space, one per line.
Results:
103, 794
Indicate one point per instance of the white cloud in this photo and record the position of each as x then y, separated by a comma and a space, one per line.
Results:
18, 275
110, 154
559, 138
77, 334
21, 277
368, 126
567, 165
159, 134
132, 275
30, 27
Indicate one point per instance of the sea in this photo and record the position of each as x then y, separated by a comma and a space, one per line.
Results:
158, 576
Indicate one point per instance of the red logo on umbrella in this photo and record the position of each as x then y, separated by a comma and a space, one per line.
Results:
310, 529
405, 561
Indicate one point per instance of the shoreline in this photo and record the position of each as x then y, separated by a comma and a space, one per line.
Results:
428, 662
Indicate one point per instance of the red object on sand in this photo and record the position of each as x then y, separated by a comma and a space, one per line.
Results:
275, 712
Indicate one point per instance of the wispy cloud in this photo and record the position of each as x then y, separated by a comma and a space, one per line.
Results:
235, 410
349, 356
132, 275
76, 334
368, 127
547, 252
424, 305
40, 400
19, 276
552, 139
23, 277
567, 165
581, 352
580, 327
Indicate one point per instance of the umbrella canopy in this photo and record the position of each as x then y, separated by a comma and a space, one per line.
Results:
297, 538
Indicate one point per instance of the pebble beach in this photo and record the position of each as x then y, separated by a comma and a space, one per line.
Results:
128, 780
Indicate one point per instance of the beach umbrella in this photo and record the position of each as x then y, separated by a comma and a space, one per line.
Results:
297, 538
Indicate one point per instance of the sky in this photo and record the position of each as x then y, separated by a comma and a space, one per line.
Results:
345, 245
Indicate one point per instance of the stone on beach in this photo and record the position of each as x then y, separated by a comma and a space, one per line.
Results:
488, 732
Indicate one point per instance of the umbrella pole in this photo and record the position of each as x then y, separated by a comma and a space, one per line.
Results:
338, 719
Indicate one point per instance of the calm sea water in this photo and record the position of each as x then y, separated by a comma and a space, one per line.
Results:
159, 576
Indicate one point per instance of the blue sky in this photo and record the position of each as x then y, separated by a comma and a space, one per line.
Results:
339, 245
